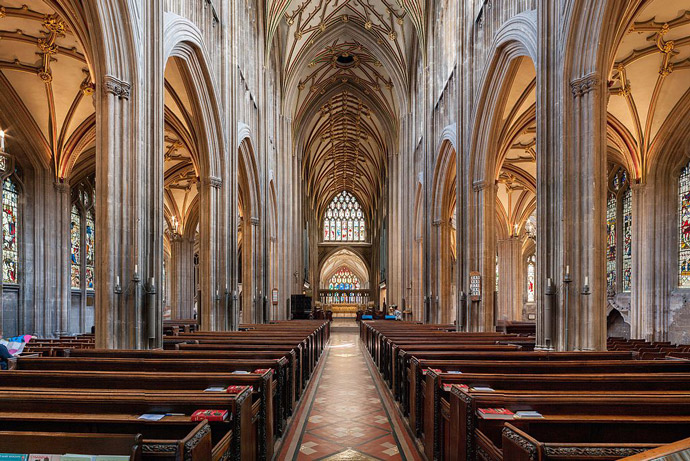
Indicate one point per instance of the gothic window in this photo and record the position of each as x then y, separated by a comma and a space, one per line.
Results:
627, 239
82, 236
344, 220
10, 210
684, 228
75, 237
611, 211
618, 232
344, 280
531, 270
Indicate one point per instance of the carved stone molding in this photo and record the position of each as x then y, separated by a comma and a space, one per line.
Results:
116, 87
479, 186
213, 181
254, 221
525, 444
584, 85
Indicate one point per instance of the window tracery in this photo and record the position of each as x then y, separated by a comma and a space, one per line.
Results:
344, 220
619, 232
82, 236
10, 212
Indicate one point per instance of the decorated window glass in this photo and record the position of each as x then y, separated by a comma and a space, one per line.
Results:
89, 241
611, 210
10, 254
531, 270
627, 239
75, 256
344, 220
344, 280
83, 237
684, 228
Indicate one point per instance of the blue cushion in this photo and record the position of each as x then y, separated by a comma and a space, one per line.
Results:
367, 317
390, 317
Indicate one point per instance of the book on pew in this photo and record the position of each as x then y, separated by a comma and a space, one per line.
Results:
152, 416
435, 370
240, 372
483, 389
528, 414
261, 371
215, 389
13, 457
447, 387
210, 415
495, 413
44, 457
238, 389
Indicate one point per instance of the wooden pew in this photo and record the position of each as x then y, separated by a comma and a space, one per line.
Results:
172, 439
676, 450
61, 443
556, 406
261, 384
127, 405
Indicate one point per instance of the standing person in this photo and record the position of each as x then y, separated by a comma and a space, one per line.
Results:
4, 355
398, 313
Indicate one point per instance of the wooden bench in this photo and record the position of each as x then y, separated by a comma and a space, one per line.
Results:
59, 443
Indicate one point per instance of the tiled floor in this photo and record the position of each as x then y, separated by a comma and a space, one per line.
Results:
345, 415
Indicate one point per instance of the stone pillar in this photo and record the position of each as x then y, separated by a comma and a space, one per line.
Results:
181, 274
63, 245
209, 190
645, 272
483, 239
511, 279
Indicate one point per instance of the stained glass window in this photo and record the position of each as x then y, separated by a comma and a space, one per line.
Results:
89, 243
10, 254
344, 280
627, 239
75, 237
344, 220
82, 233
611, 210
684, 228
531, 270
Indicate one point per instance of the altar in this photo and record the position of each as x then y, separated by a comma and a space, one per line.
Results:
344, 310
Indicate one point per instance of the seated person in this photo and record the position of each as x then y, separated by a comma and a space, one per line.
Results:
398, 314
4, 355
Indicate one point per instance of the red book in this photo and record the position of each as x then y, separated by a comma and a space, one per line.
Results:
435, 370
447, 387
495, 413
237, 389
261, 371
210, 415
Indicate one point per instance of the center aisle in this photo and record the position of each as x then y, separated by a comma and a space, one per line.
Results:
346, 413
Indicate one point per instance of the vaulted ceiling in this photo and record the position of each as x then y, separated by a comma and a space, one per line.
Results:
346, 72
649, 82
45, 84
516, 169
181, 153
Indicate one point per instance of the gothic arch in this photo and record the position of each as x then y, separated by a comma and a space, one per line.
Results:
517, 38
182, 39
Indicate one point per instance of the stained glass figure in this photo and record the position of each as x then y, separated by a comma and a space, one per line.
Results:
89, 240
10, 252
531, 270
611, 210
684, 228
627, 239
344, 220
75, 256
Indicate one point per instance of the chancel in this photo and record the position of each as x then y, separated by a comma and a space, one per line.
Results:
345, 229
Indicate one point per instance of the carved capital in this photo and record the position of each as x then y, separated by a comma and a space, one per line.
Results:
254, 221
584, 85
62, 187
116, 87
479, 186
212, 181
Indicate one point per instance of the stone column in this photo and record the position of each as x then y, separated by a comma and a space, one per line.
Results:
510, 280
182, 277
63, 245
483, 239
645, 272
209, 190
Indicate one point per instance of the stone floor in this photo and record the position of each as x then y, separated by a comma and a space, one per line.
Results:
346, 413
